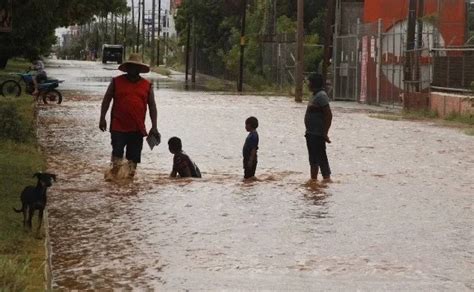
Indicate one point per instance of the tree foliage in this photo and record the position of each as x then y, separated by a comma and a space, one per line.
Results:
35, 21
217, 25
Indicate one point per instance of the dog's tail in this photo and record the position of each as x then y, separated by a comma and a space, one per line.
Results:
19, 211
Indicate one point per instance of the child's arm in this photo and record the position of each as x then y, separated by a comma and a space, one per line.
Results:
253, 154
327, 117
186, 172
173, 173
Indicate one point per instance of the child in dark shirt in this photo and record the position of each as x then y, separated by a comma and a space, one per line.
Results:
182, 164
249, 151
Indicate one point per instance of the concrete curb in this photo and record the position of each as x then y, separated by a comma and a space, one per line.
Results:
48, 276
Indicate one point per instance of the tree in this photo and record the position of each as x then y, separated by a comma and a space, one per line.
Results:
34, 23
217, 25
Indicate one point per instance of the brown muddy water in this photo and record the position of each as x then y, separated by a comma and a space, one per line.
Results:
397, 217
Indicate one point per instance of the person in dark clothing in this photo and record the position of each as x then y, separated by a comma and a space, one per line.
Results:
318, 120
182, 164
249, 151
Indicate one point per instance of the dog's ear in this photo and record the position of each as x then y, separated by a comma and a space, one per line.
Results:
54, 177
37, 175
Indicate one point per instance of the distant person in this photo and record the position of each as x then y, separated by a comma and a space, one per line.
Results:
40, 75
249, 151
318, 120
182, 164
131, 95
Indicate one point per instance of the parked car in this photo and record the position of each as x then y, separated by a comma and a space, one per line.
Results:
112, 53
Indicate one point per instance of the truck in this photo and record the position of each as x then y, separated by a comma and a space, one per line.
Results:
112, 53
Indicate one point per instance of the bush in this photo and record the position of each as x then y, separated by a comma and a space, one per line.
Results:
12, 125
461, 118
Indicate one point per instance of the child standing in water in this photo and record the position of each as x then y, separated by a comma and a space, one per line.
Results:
318, 120
182, 164
250, 148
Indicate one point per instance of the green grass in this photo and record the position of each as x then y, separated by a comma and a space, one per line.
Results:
419, 115
13, 66
389, 117
461, 121
22, 256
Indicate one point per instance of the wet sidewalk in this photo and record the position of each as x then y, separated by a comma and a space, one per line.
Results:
398, 216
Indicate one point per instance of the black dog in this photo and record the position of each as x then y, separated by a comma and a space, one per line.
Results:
34, 198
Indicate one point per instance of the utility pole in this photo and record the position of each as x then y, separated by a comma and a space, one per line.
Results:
115, 28
138, 27
143, 29
124, 34
328, 37
133, 19
419, 45
153, 10
242, 47
299, 53
106, 32
159, 34
193, 72
408, 70
166, 39
188, 36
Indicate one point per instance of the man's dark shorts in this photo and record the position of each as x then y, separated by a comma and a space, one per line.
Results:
317, 153
132, 140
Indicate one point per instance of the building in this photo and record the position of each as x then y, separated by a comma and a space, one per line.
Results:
370, 46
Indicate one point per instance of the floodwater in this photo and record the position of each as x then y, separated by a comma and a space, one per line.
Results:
398, 215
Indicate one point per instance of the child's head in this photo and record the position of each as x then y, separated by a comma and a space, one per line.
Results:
315, 82
251, 124
174, 145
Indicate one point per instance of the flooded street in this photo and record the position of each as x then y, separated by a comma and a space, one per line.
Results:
398, 215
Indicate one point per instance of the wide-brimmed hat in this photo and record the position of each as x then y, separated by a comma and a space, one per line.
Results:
135, 59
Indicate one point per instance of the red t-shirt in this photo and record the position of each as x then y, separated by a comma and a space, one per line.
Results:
130, 105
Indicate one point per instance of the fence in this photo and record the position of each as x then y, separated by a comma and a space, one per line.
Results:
269, 60
453, 69
369, 65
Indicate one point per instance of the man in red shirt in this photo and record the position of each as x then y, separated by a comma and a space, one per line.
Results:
131, 95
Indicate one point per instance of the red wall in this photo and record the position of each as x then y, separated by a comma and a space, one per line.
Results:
452, 16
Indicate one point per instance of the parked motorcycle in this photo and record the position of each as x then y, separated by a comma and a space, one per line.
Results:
47, 89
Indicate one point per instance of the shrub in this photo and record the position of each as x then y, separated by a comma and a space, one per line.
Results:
12, 125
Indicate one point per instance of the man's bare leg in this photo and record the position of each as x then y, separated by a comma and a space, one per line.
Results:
314, 172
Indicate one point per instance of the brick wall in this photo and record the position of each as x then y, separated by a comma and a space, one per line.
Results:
446, 103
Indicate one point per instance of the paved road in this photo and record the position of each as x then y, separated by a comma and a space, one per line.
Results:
398, 216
